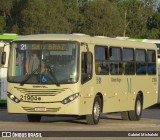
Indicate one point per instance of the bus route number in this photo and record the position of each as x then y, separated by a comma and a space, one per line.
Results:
23, 46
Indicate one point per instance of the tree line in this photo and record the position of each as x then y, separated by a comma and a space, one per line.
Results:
132, 18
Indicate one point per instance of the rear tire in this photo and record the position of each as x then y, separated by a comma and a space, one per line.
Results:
135, 115
93, 118
34, 118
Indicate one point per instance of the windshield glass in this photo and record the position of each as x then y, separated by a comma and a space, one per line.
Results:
43, 62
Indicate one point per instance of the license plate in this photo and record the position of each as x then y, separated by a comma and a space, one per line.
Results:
40, 109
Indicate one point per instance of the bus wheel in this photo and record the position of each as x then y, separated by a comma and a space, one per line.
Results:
135, 115
93, 118
34, 118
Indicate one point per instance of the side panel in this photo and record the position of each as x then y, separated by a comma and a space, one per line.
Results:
120, 91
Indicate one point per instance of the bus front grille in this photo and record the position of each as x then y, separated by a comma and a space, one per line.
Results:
41, 92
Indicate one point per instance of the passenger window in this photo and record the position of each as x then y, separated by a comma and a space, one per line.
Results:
115, 57
101, 63
128, 61
140, 56
151, 62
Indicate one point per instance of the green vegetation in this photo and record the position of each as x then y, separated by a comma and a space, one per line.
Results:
133, 18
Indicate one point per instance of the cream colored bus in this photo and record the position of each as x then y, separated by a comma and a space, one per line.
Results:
80, 75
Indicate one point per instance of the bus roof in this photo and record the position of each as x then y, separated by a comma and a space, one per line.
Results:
99, 40
152, 40
139, 39
50, 37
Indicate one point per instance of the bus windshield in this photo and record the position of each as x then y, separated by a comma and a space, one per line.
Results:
43, 62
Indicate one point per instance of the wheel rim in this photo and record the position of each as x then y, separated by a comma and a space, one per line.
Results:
96, 110
138, 108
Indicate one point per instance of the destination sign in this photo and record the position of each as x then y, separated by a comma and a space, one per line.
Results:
56, 47
53, 47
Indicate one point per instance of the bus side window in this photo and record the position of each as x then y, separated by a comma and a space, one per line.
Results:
115, 57
151, 62
140, 56
128, 61
101, 60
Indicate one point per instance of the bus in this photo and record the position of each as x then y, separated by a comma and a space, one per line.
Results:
79, 75
4, 46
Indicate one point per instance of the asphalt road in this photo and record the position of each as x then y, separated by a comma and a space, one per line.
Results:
150, 121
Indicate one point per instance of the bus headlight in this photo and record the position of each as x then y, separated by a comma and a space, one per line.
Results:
70, 98
13, 98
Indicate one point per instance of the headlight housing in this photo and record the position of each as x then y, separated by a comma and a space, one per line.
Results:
13, 98
70, 98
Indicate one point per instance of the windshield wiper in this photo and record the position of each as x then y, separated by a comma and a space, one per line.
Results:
29, 76
53, 75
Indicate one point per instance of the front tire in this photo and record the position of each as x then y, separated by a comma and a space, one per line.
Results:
93, 118
34, 118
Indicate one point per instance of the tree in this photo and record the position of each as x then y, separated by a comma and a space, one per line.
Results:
136, 14
55, 17
101, 18
154, 24
2, 24
32, 17
133, 18
5, 13
72, 14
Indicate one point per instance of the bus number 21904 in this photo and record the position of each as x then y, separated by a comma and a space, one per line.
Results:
29, 98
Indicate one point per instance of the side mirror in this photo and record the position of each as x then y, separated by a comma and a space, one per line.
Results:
3, 60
